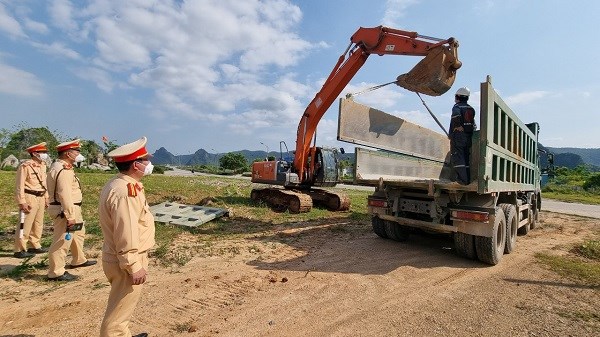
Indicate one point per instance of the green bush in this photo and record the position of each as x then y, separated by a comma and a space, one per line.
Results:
592, 183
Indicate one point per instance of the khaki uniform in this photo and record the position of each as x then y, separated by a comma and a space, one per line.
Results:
128, 230
65, 196
31, 190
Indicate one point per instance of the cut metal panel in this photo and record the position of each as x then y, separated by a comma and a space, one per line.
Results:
360, 124
407, 171
185, 215
370, 165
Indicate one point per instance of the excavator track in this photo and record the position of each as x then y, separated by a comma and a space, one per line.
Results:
300, 201
333, 201
281, 200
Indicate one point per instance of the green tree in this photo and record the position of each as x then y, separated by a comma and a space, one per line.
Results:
233, 161
24, 138
592, 183
90, 150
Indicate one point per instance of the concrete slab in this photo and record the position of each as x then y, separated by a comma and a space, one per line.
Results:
185, 215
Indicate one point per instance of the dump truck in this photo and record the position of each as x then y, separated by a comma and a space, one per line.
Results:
414, 181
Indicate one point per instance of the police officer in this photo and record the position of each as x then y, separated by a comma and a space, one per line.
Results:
462, 125
64, 190
32, 197
128, 230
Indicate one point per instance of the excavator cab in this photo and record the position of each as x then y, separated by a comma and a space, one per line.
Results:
326, 167
434, 74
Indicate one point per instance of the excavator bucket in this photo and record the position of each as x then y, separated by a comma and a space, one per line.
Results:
433, 75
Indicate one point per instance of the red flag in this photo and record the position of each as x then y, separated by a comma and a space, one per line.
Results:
104, 139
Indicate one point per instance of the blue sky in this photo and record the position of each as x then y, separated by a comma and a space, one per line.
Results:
228, 75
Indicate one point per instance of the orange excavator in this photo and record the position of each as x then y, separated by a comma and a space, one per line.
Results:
314, 166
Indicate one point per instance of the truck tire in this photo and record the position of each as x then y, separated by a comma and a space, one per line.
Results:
512, 225
395, 231
464, 244
490, 250
378, 227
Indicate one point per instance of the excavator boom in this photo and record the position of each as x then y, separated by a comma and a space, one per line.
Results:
434, 75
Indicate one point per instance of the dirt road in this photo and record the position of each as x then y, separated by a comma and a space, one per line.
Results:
326, 279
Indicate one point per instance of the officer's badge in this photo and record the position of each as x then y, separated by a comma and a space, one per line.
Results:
132, 190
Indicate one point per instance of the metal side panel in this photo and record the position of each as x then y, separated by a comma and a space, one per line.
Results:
360, 124
392, 167
185, 215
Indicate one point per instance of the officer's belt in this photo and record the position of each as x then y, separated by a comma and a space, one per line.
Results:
36, 193
58, 203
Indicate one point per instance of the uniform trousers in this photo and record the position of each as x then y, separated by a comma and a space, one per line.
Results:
122, 300
57, 253
33, 225
460, 148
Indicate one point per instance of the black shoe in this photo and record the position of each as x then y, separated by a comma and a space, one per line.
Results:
143, 334
37, 250
23, 254
64, 277
85, 264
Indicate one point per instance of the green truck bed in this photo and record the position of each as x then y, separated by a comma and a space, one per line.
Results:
504, 154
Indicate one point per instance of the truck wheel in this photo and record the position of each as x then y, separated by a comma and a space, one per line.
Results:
512, 225
525, 229
395, 231
490, 250
378, 227
464, 244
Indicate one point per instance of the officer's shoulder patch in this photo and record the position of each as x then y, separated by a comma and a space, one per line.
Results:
67, 166
132, 190
27, 162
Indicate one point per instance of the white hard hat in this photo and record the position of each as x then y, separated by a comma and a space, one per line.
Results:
464, 91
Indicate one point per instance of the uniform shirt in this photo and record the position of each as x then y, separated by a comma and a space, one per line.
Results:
126, 221
463, 115
27, 179
66, 190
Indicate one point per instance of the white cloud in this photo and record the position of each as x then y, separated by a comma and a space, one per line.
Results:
61, 12
35, 26
395, 11
526, 97
102, 78
57, 49
205, 59
14, 81
9, 24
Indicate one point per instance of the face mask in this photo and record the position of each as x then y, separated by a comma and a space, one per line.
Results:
147, 169
79, 158
43, 156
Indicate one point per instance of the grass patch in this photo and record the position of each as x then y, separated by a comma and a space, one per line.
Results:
26, 268
589, 249
573, 196
572, 267
580, 315
248, 218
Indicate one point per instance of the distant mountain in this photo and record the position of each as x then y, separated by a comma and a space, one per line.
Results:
589, 156
202, 157
163, 157
567, 157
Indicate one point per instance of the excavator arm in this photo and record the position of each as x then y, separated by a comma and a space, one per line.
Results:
433, 76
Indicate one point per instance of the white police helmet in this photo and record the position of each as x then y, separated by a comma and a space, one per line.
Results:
464, 91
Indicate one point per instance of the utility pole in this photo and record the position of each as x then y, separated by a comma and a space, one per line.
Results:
267, 156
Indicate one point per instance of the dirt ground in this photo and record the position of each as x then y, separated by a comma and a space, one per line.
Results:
326, 279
